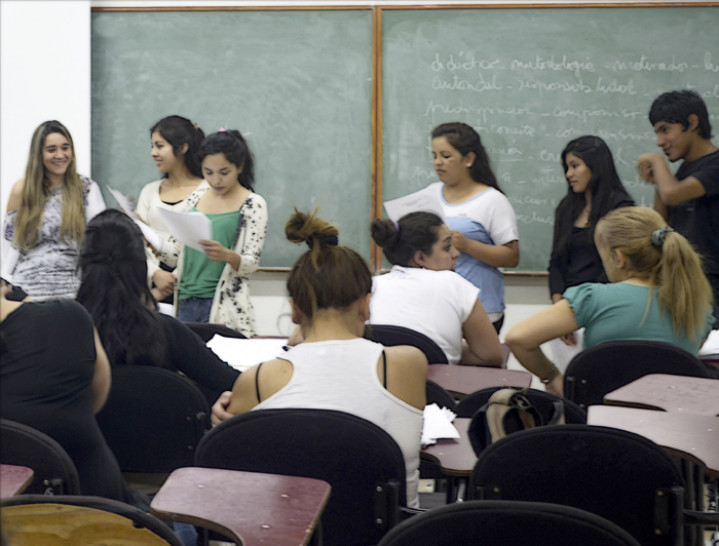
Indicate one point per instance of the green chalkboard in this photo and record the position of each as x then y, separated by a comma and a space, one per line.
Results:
297, 84
530, 80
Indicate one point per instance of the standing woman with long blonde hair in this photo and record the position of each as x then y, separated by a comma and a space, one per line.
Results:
46, 216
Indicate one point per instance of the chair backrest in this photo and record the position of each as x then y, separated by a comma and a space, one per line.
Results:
353, 455
390, 335
542, 401
29, 520
54, 471
615, 474
595, 371
153, 419
507, 522
207, 330
436, 394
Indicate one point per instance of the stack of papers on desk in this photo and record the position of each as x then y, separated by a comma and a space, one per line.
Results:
437, 424
242, 354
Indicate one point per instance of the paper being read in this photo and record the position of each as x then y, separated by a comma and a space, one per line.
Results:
188, 227
418, 201
126, 206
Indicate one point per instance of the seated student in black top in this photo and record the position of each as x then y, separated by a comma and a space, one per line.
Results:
54, 377
114, 290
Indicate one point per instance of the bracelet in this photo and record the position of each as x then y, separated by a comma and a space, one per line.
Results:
552, 374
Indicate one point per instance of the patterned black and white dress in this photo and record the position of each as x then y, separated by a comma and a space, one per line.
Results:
49, 270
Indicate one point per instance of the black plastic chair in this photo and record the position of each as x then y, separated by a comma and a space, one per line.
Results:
543, 401
361, 462
390, 335
507, 522
153, 419
42, 519
615, 474
54, 471
207, 330
595, 371
436, 394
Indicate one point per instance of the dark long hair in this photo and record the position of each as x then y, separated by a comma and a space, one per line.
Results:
179, 131
114, 290
231, 143
465, 139
605, 186
414, 231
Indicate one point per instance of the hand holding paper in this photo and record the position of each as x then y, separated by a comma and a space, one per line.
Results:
418, 201
189, 228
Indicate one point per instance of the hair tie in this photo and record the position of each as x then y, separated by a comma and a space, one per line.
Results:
222, 130
659, 235
396, 225
195, 126
327, 240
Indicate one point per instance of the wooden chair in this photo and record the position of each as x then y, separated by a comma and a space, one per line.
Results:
361, 462
595, 371
30, 520
507, 522
54, 471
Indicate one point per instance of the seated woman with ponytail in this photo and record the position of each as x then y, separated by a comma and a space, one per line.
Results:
423, 293
658, 292
334, 367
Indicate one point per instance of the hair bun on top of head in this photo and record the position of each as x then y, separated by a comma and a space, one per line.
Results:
325, 240
307, 228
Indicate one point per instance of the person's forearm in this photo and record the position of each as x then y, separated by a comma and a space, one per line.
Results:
535, 361
494, 255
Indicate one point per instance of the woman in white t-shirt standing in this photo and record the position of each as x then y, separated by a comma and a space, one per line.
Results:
175, 143
422, 293
483, 222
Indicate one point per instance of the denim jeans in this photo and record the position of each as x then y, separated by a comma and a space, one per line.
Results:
194, 310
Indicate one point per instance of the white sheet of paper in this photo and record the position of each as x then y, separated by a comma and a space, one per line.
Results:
123, 200
188, 227
126, 205
437, 424
242, 354
711, 345
418, 201
563, 353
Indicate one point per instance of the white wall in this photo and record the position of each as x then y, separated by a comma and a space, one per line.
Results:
45, 74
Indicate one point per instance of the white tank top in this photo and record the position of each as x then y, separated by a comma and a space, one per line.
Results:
342, 375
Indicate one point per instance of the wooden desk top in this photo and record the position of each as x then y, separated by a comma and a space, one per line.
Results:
251, 508
14, 479
690, 436
674, 393
464, 380
454, 455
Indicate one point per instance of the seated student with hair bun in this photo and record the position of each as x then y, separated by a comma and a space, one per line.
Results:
423, 293
334, 367
658, 292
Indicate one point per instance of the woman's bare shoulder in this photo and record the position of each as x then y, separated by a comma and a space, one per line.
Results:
15, 198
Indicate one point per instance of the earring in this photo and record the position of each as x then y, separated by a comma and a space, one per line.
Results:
469, 164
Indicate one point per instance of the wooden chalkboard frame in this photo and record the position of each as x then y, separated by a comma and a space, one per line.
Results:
376, 56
